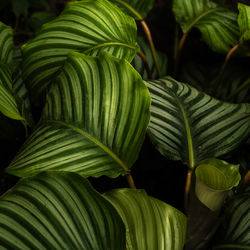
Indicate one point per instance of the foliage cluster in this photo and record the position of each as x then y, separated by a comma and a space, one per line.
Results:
86, 89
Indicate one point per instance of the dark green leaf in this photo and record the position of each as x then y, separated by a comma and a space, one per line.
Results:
191, 126
58, 211
150, 223
20, 7
85, 26
234, 232
94, 121
218, 26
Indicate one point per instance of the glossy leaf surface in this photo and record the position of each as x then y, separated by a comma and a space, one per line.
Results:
58, 211
217, 25
191, 126
94, 121
150, 223
84, 26
136, 8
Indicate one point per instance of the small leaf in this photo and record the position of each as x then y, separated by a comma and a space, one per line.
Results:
217, 25
191, 126
234, 232
136, 8
94, 121
214, 178
84, 26
58, 211
150, 223
139, 64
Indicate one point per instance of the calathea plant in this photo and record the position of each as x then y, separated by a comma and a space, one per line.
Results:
87, 90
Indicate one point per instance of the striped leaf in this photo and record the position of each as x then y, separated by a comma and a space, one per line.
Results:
84, 26
141, 67
58, 211
244, 21
234, 232
94, 121
217, 25
6, 42
191, 126
214, 178
150, 223
8, 105
136, 8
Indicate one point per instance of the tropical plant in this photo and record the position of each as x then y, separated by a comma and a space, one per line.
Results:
80, 96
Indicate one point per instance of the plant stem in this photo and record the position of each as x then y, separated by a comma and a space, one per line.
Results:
245, 181
145, 61
228, 56
152, 47
237, 90
178, 55
187, 188
130, 181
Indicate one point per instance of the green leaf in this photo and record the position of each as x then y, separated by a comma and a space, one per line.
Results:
6, 42
94, 121
8, 105
84, 26
58, 211
235, 227
136, 8
214, 178
244, 21
218, 26
191, 126
140, 66
150, 223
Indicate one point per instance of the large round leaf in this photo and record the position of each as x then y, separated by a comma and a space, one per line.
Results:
234, 232
189, 125
94, 121
136, 8
218, 26
85, 26
58, 211
150, 223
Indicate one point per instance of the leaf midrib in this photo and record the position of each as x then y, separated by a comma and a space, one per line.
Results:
188, 131
198, 18
109, 44
94, 140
